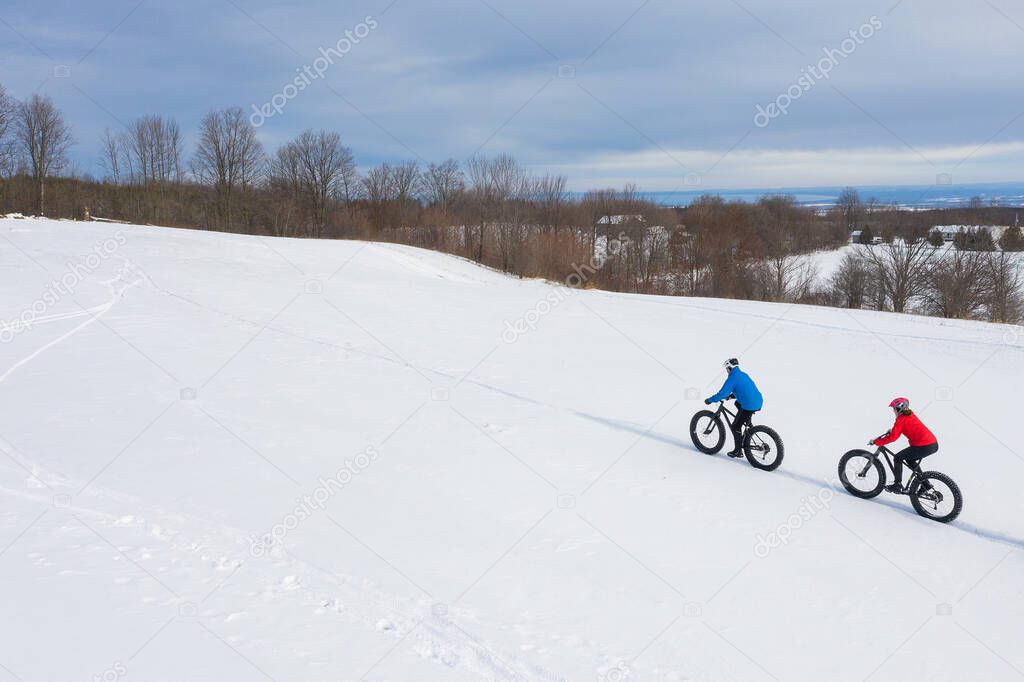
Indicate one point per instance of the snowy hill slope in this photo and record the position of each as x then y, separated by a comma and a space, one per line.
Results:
448, 499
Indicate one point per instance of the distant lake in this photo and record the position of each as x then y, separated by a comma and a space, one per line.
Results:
911, 196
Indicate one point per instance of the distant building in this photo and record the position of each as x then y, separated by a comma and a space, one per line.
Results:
612, 225
620, 219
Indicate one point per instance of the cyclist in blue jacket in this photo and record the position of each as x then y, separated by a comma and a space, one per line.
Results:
748, 401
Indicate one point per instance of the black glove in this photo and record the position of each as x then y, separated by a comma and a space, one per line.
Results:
707, 401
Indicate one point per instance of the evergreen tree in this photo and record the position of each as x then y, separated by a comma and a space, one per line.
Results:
977, 239
1012, 240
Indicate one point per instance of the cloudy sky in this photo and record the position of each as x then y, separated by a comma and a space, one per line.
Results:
667, 94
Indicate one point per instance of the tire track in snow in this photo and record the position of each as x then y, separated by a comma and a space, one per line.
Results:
638, 429
94, 313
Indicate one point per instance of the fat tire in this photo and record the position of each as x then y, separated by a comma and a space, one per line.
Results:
853, 490
772, 435
958, 499
719, 427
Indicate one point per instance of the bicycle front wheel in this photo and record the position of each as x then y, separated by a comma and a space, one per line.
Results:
861, 473
936, 496
763, 448
707, 432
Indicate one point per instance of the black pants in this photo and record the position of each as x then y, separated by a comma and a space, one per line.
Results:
912, 456
742, 419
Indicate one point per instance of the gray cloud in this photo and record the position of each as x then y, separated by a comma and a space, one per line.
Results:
678, 81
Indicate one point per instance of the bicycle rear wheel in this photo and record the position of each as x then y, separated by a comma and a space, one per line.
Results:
936, 496
707, 432
763, 448
861, 473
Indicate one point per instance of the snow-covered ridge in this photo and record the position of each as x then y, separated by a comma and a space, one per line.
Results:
446, 502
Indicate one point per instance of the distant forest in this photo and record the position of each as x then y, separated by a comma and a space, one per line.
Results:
497, 212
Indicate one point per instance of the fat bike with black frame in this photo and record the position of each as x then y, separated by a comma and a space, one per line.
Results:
933, 494
760, 444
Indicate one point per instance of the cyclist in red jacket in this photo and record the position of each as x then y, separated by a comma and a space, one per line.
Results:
922, 441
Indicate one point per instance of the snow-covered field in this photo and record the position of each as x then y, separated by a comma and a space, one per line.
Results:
469, 477
826, 263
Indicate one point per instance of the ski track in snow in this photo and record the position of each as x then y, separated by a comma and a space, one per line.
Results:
94, 314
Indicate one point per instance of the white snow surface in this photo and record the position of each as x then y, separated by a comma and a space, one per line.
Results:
524, 506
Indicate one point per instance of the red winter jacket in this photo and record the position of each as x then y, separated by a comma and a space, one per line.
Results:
910, 426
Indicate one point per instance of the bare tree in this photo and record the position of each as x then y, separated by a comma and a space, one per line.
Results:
326, 168
691, 261
482, 200
43, 139
850, 285
110, 154
285, 183
228, 156
508, 185
407, 181
8, 113
785, 278
850, 207
549, 193
1004, 299
377, 186
152, 150
901, 269
598, 205
283, 170
443, 183
379, 190
955, 284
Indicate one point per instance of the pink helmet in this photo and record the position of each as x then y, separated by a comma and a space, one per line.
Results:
899, 404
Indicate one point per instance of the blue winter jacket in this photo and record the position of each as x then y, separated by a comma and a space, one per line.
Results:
742, 386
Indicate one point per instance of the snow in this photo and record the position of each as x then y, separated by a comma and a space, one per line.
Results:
827, 263
229, 457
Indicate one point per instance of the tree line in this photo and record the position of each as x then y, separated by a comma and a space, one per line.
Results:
499, 213
918, 277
